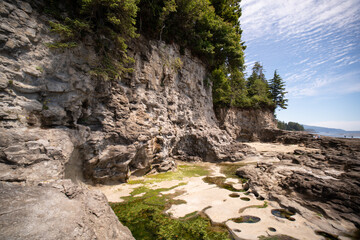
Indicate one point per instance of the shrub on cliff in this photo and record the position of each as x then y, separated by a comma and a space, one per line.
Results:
209, 28
111, 23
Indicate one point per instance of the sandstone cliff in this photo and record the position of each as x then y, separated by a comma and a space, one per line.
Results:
247, 124
58, 210
55, 114
59, 121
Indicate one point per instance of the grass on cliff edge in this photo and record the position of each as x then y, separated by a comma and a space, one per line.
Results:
144, 216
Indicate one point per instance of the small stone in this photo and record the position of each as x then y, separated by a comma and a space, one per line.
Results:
3, 10
11, 44
31, 70
25, 6
19, 15
31, 23
7, 27
3, 81
3, 38
77, 213
30, 32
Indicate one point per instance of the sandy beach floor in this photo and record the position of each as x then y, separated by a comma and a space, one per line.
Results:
246, 216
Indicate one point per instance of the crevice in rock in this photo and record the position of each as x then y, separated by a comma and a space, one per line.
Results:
74, 167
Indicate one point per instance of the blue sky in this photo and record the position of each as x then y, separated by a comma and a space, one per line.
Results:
315, 46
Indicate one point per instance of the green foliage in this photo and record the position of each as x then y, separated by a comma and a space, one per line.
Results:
209, 28
258, 89
277, 91
221, 88
45, 105
290, 126
145, 218
63, 30
229, 10
177, 64
40, 69
109, 22
229, 88
61, 45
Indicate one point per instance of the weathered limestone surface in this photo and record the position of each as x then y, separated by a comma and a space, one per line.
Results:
326, 181
58, 210
53, 109
59, 121
246, 124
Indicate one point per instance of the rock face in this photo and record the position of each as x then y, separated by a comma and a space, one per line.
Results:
152, 116
60, 210
326, 181
245, 124
59, 120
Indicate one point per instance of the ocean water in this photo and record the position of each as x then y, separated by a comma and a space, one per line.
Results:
338, 135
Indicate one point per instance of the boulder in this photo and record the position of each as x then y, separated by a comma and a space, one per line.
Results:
57, 210
326, 181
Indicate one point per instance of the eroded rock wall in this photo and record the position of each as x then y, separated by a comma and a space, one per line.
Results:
246, 124
54, 111
58, 120
43, 94
325, 179
57, 210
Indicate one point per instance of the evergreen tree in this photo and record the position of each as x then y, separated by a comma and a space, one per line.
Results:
258, 88
229, 10
277, 91
239, 91
290, 126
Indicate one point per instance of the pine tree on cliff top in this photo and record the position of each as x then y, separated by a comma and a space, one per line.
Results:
277, 90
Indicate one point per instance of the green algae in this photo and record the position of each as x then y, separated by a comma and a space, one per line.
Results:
277, 237
327, 236
234, 195
229, 170
220, 182
265, 205
182, 172
190, 215
145, 216
282, 213
246, 219
245, 199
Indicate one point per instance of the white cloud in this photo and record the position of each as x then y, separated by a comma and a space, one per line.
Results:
301, 18
326, 84
302, 61
321, 36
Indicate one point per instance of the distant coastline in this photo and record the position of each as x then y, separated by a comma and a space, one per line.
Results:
337, 135
331, 132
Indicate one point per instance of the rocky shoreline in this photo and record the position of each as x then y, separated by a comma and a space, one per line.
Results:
326, 180
287, 177
59, 122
